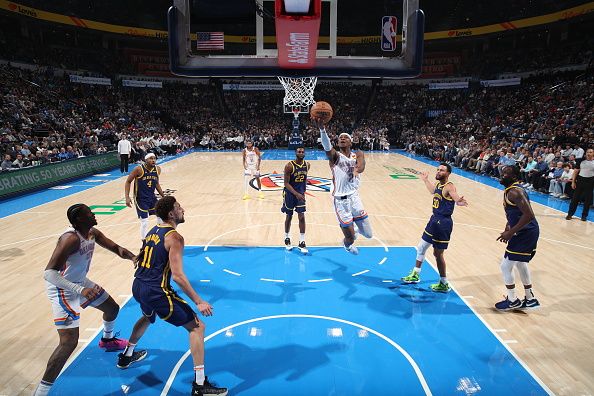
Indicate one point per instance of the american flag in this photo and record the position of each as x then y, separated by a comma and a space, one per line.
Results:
210, 40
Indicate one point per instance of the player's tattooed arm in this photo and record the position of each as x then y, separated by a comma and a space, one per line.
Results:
450, 190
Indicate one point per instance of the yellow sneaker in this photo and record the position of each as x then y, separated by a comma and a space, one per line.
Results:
261, 195
246, 197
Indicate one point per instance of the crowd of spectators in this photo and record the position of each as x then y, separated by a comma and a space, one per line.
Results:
543, 126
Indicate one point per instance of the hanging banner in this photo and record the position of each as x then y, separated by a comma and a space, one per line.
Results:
89, 80
449, 85
505, 82
142, 84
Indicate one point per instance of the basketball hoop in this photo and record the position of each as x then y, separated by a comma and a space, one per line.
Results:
299, 93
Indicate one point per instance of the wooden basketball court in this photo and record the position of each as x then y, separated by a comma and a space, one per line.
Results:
556, 342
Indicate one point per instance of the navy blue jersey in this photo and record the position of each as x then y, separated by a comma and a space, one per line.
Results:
298, 178
512, 212
144, 188
153, 269
442, 206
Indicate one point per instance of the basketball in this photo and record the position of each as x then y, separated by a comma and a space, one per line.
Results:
321, 110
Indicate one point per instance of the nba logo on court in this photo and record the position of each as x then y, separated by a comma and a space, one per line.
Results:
389, 33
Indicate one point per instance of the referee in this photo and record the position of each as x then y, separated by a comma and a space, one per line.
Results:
124, 149
583, 183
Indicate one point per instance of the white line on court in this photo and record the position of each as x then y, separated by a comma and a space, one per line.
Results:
361, 272
510, 341
208, 259
272, 280
387, 281
75, 355
383, 261
406, 355
522, 363
231, 272
319, 280
205, 280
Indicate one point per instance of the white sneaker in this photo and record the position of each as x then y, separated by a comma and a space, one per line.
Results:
351, 249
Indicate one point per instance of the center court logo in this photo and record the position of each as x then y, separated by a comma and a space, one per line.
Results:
276, 182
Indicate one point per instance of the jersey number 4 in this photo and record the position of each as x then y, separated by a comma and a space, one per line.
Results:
149, 183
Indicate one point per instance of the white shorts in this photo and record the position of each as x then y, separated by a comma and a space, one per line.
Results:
349, 209
252, 170
66, 305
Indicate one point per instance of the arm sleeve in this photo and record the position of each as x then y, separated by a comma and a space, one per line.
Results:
54, 277
325, 140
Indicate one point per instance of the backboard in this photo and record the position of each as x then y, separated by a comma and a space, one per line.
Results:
259, 56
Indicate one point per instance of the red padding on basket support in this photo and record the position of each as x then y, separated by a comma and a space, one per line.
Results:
297, 36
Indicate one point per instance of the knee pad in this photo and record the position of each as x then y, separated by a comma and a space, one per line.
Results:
364, 227
507, 269
524, 272
144, 228
422, 249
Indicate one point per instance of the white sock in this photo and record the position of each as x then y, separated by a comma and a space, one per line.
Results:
529, 293
511, 294
129, 349
443, 279
246, 180
199, 374
302, 237
108, 329
417, 270
43, 388
287, 235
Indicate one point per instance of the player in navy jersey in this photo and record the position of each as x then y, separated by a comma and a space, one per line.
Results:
146, 181
521, 235
438, 230
294, 196
159, 261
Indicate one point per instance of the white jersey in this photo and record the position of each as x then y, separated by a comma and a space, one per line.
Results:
78, 263
344, 181
251, 158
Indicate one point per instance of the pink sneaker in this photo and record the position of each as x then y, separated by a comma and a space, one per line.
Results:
113, 344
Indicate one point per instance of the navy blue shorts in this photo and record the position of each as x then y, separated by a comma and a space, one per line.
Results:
438, 231
167, 305
290, 203
522, 246
145, 208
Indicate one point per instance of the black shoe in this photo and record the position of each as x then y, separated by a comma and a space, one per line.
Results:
303, 248
568, 217
288, 244
207, 389
584, 219
125, 361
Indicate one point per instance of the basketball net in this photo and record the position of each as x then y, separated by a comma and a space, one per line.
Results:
299, 92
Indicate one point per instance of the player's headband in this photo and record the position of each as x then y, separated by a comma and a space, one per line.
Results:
345, 134
149, 155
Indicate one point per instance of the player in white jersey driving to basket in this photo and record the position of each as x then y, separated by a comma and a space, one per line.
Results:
346, 167
251, 165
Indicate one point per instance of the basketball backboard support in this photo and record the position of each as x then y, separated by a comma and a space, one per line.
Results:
264, 63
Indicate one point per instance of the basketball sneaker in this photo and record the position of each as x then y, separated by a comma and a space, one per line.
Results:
351, 249
125, 361
113, 344
413, 277
246, 197
303, 248
208, 389
288, 244
261, 195
441, 287
531, 303
507, 305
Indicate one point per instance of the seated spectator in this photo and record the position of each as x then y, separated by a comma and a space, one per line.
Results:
6, 163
